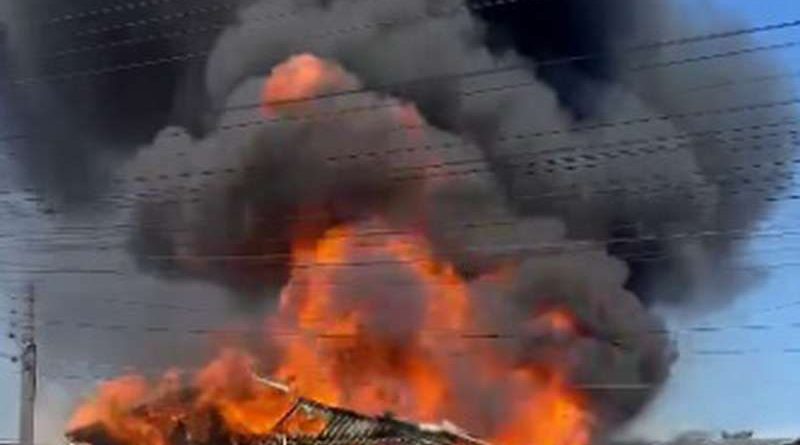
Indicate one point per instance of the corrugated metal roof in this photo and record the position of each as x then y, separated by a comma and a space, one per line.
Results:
346, 426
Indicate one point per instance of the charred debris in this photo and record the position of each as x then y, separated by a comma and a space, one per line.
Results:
307, 422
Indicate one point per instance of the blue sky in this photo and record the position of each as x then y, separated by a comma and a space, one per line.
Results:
758, 389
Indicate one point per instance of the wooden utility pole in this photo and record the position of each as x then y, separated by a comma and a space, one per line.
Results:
27, 361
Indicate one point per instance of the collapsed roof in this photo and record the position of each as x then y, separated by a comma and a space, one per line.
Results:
334, 426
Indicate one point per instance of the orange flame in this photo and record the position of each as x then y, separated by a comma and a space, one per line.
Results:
301, 77
335, 353
247, 406
355, 365
112, 406
415, 378
559, 321
553, 415
136, 413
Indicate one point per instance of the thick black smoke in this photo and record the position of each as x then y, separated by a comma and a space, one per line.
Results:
634, 191
568, 158
552, 29
71, 69
591, 34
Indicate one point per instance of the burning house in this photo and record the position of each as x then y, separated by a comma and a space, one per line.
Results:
305, 422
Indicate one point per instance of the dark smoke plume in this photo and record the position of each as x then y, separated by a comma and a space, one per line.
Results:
633, 191
566, 160
557, 29
343, 168
66, 68
660, 271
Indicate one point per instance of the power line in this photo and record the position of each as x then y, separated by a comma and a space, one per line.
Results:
365, 264
714, 56
135, 303
307, 117
387, 104
343, 112
566, 246
122, 328
173, 16
134, 5
763, 78
64, 233
475, 225
593, 157
660, 141
780, 307
693, 190
95, 376
738, 352
542, 166
188, 56
95, 373
265, 19
425, 15
104, 10
635, 185
563, 247
518, 137
693, 193
62, 271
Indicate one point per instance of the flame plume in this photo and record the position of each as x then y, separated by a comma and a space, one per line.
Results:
340, 349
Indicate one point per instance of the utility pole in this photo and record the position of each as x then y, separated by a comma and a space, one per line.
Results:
27, 361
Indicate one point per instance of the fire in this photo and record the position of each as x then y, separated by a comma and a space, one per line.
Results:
337, 350
559, 321
112, 406
554, 415
301, 77
247, 406
364, 367
373, 324
341, 357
